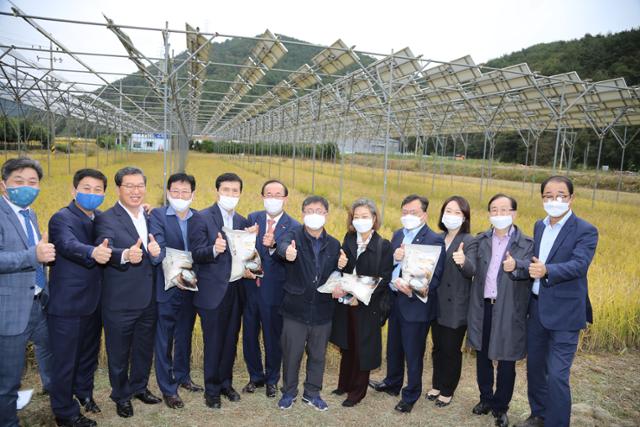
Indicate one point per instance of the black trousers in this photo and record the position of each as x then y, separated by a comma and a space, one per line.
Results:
447, 357
352, 379
129, 337
506, 376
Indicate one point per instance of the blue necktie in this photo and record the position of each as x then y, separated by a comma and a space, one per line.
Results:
40, 282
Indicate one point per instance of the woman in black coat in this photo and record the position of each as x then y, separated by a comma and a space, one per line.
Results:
357, 327
453, 299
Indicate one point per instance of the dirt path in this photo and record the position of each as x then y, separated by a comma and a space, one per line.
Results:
606, 392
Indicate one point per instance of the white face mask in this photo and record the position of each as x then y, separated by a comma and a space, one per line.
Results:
314, 221
501, 222
273, 206
452, 222
556, 208
179, 205
362, 225
410, 221
228, 203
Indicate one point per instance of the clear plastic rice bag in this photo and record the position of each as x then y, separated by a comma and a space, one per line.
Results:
242, 247
361, 287
418, 265
177, 267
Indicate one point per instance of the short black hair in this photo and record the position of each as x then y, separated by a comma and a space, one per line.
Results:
19, 163
182, 177
315, 199
557, 178
464, 208
91, 173
514, 203
275, 181
128, 170
424, 202
228, 177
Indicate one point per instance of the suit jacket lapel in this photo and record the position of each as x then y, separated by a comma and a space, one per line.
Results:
564, 232
282, 225
14, 220
217, 216
125, 220
352, 243
454, 245
420, 237
87, 223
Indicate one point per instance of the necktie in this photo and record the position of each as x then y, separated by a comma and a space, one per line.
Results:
31, 238
270, 224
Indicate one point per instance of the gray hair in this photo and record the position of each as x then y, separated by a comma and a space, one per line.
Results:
128, 170
369, 204
19, 163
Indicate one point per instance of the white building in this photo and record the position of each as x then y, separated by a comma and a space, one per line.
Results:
146, 142
367, 146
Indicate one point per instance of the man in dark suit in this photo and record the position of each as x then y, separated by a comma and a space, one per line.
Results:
559, 307
264, 295
176, 314
218, 300
128, 300
23, 287
410, 317
73, 312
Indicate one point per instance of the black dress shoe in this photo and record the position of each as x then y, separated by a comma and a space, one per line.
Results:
502, 420
89, 405
532, 421
77, 421
404, 407
147, 397
124, 409
192, 387
271, 390
431, 396
349, 403
251, 386
442, 403
382, 386
338, 392
482, 408
173, 402
212, 401
230, 394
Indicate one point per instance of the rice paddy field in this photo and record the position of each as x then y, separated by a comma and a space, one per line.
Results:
603, 374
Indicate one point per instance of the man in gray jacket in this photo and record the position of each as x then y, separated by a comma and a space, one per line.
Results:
498, 307
23, 287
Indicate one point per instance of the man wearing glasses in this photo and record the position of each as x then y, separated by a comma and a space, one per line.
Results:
498, 307
176, 315
264, 295
310, 255
128, 307
559, 306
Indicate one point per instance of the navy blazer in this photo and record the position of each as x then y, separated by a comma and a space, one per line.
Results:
213, 272
166, 230
563, 301
75, 279
270, 289
412, 309
124, 286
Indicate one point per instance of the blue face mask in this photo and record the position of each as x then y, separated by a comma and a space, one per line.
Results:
22, 196
89, 201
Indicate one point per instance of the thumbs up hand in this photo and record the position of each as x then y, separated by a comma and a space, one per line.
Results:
292, 252
134, 253
102, 253
509, 264
398, 255
342, 261
458, 255
537, 269
221, 244
153, 247
45, 251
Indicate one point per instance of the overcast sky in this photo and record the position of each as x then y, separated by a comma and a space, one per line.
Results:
439, 30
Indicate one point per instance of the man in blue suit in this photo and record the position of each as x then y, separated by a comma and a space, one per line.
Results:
264, 295
410, 317
128, 300
73, 312
23, 287
218, 300
176, 314
559, 307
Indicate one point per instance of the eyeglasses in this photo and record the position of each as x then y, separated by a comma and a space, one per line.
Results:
317, 211
273, 196
131, 187
501, 212
413, 212
177, 193
552, 198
